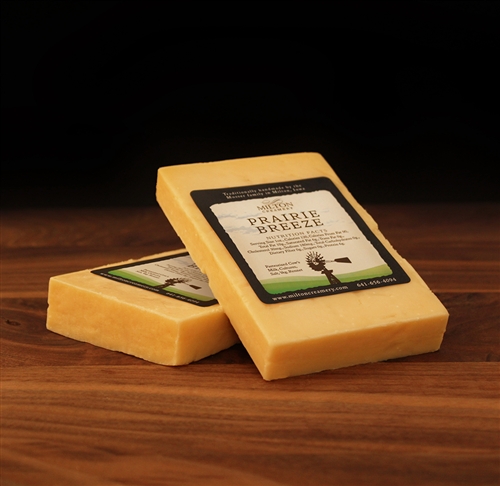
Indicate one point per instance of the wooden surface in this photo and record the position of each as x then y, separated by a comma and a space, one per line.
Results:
75, 414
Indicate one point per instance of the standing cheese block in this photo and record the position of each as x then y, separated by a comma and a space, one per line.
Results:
265, 231
120, 310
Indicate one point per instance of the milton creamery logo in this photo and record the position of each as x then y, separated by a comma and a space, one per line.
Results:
276, 204
317, 262
283, 218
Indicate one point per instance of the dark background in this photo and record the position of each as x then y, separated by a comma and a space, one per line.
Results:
400, 97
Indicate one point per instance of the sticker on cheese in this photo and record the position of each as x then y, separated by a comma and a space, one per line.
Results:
158, 308
176, 276
298, 239
387, 310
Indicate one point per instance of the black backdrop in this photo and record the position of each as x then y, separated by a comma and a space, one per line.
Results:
400, 97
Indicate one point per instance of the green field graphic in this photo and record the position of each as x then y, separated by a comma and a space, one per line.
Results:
153, 283
374, 272
134, 277
281, 285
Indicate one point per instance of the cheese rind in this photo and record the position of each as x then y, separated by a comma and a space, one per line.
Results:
301, 336
135, 321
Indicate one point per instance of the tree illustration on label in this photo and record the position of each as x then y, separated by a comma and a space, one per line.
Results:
317, 262
170, 282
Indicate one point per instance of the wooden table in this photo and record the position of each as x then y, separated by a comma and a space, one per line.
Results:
75, 414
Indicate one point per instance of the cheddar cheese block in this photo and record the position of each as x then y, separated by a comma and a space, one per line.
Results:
300, 268
158, 308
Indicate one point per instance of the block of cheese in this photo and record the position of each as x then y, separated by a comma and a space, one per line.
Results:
300, 268
158, 308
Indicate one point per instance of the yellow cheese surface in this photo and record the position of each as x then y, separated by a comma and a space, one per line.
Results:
121, 317
300, 336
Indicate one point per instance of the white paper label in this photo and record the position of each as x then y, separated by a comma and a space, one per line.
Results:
298, 242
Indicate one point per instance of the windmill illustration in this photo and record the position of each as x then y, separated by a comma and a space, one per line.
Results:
318, 263
172, 281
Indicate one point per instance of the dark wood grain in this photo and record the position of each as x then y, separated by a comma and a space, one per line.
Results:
75, 414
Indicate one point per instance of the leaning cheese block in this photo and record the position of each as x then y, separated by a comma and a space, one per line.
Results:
300, 268
158, 308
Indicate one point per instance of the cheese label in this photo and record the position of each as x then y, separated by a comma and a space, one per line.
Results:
298, 239
175, 276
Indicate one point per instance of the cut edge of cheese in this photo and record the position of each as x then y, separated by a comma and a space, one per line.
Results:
121, 317
302, 336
